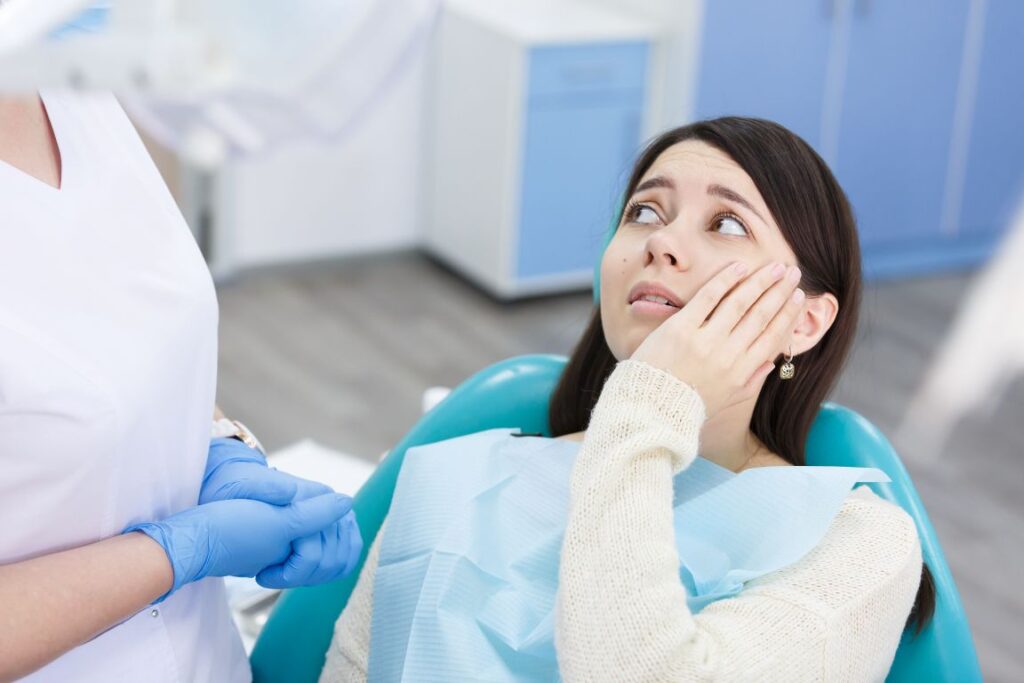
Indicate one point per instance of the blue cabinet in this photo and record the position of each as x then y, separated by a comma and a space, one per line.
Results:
915, 106
582, 131
993, 187
537, 112
899, 99
765, 59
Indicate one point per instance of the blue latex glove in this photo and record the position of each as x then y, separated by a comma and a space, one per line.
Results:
233, 470
330, 555
239, 537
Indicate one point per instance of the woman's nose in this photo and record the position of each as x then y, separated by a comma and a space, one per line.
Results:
664, 249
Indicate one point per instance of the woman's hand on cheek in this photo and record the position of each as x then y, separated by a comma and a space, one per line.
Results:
724, 341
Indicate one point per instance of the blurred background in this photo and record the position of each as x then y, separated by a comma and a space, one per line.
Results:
453, 215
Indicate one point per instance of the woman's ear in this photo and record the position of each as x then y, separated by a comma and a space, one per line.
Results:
817, 316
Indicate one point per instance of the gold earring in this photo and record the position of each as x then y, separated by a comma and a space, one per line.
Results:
788, 370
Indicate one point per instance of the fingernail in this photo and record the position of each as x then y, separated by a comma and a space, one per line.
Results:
778, 269
798, 296
794, 274
740, 268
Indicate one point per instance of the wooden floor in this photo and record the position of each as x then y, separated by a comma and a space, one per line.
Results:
342, 354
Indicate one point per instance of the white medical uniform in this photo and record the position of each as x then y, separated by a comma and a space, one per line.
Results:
108, 363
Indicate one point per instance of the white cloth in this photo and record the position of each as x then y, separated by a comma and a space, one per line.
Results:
835, 615
108, 363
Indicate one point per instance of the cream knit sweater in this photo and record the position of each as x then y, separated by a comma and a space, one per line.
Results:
836, 615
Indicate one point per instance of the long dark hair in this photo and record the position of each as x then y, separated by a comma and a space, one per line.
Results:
815, 218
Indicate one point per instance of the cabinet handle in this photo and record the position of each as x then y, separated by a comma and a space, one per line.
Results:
861, 8
588, 74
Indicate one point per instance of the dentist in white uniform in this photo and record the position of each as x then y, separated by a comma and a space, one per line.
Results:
108, 363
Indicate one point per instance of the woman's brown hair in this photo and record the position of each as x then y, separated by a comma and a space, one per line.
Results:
816, 220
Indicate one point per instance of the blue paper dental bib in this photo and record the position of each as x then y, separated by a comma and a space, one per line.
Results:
468, 571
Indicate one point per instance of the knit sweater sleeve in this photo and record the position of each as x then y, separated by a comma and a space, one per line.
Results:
348, 656
622, 614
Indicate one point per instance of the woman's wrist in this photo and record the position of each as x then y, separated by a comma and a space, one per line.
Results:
652, 408
658, 393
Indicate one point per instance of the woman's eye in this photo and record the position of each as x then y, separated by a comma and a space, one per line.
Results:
645, 214
728, 225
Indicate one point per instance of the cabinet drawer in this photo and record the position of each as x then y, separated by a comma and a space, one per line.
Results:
561, 70
574, 158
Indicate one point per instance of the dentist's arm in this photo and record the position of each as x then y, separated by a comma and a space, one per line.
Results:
51, 604
56, 602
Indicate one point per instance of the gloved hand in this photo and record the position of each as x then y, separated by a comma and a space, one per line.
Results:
239, 537
233, 470
321, 558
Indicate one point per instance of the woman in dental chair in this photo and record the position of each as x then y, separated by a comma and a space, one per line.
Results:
669, 532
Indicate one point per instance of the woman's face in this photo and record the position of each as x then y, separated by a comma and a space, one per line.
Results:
693, 212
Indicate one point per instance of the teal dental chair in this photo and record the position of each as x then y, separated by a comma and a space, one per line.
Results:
514, 393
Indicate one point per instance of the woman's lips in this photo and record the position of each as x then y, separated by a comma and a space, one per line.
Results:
652, 299
646, 308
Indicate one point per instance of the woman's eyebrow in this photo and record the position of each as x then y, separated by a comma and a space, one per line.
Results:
726, 193
656, 181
